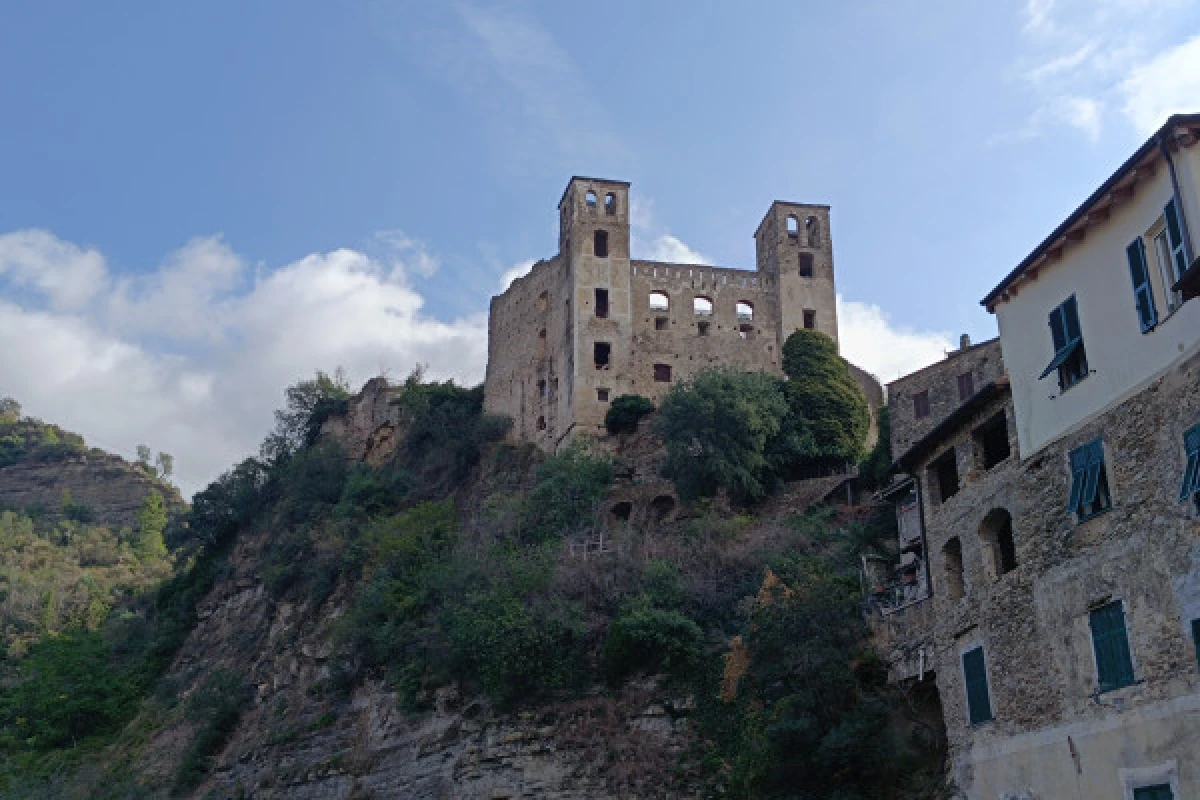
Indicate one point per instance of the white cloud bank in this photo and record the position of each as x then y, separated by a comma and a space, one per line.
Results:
193, 357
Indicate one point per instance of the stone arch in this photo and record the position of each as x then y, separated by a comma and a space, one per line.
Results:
793, 226
660, 301
661, 507
702, 305
590, 198
745, 311
999, 547
812, 230
622, 510
952, 569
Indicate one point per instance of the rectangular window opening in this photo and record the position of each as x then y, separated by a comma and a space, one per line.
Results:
966, 386
602, 355
602, 303
979, 701
810, 319
806, 265
991, 438
660, 323
602, 395
1089, 481
921, 405
945, 472
1110, 641
702, 329
662, 373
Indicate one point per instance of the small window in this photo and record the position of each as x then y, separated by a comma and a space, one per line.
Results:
997, 535
541, 388
1143, 295
793, 226
703, 306
979, 701
952, 569
966, 386
600, 244
542, 333
945, 475
746, 331
745, 311
610, 203
590, 197
1089, 481
661, 323
810, 319
921, 404
991, 440
543, 302
1160, 792
812, 230
602, 303
1070, 360
602, 395
662, 373
1191, 468
602, 354
1110, 641
702, 328
1196, 640
806, 265
541, 423
660, 301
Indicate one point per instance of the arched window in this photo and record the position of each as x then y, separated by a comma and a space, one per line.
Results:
745, 311
793, 226
952, 561
610, 203
703, 306
590, 197
660, 301
601, 244
812, 230
1000, 550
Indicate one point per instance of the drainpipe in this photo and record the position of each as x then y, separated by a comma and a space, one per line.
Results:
1188, 253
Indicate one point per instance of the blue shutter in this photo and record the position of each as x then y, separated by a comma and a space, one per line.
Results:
1191, 471
1079, 464
1114, 665
1142, 294
979, 703
1175, 237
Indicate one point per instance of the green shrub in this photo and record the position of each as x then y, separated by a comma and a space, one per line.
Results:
217, 706
650, 640
567, 490
874, 468
829, 408
626, 412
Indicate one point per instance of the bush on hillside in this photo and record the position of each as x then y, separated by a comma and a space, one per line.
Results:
647, 640
626, 412
830, 411
569, 486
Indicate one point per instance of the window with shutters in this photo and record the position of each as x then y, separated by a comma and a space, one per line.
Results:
1089, 481
1191, 468
979, 701
1110, 641
1160, 792
1143, 295
1196, 640
966, 386
1179, 254
1070, 360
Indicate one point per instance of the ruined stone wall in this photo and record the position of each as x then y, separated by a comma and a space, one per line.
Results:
1033, 621
529, 354
985, 363
788, 234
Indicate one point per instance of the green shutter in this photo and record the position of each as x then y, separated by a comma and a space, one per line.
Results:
1071, 320
1058, 330
1191, 470
1160, 792
1142, 294
1175, 237
979, 703
1114, 665
1079, 463
1196, 639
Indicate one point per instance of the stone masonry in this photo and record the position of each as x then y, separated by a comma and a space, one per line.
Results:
591, 324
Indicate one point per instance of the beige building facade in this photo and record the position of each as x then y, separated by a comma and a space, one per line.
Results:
1058, 511
591, 323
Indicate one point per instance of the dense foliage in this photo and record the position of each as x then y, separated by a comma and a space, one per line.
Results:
28, 439
829, 410
873, 470
625, 412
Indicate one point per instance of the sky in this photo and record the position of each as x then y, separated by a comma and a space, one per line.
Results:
201, 204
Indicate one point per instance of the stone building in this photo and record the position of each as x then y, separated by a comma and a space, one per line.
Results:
1059, 510
592, 323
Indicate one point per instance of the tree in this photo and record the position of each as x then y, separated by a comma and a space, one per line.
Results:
828, 407
10, 410
309, 404
151, 522
143, 457
726, 430
164, 465
626, 412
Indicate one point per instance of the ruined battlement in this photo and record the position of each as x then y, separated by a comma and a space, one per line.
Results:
591, 323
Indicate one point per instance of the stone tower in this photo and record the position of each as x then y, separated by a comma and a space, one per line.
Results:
794, 247
594, 242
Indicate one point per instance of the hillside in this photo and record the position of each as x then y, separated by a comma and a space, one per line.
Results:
391, 600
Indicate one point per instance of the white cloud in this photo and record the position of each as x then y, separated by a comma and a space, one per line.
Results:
868, 339
193, 357
1165, 85
649, 241
518, 270
667, 248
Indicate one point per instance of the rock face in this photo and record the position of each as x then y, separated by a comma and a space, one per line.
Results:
111, 487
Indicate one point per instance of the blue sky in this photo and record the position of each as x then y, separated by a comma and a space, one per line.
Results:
203, 203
